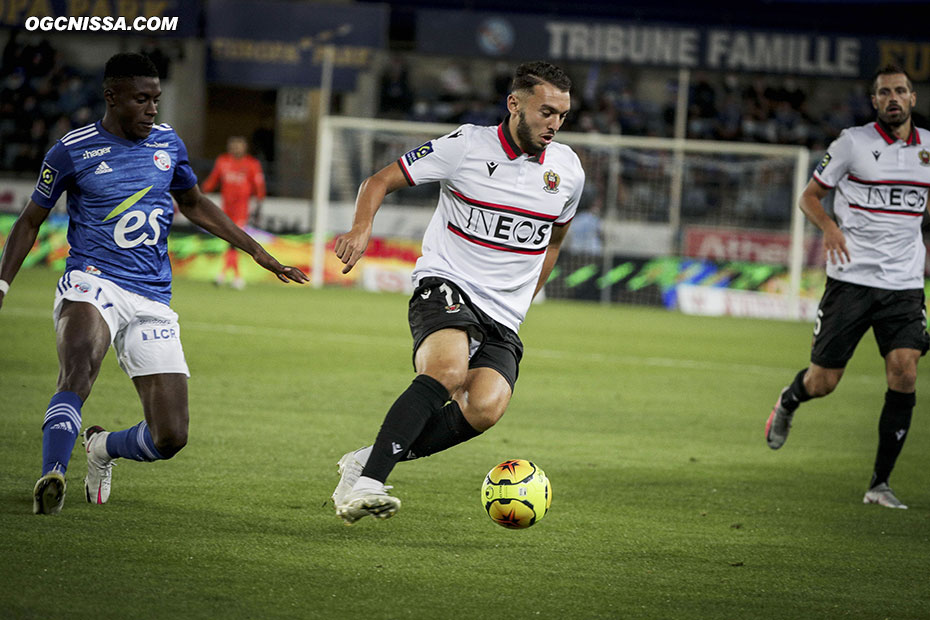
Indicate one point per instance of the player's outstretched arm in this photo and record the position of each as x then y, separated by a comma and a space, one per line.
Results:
552, 255
351, 245
834, 243
22, 238
204, 213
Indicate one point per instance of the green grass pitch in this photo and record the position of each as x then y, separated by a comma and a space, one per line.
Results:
667, 502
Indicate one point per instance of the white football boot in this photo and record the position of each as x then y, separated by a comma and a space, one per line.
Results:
360, 503
350, 468
99, 466
48, 496
882, 495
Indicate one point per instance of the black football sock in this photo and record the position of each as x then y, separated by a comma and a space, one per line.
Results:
403, 423
446, 428
892, 431
796, 393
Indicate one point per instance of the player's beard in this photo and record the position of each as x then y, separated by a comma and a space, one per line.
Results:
525, 135
900, 117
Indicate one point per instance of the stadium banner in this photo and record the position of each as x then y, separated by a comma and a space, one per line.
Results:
171, 18
275, 44
198, 256
654, 281
389, 262
715, 301
757, 246
14, 195
662, 44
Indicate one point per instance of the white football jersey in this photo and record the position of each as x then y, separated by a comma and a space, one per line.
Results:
881, 195
497, 206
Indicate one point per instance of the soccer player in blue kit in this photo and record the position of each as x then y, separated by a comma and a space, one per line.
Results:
120, 175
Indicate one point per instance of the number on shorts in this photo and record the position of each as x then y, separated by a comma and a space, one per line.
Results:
445, 290
819, 323
452, 306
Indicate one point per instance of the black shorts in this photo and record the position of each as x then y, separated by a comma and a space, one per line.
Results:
438, 303
897, 318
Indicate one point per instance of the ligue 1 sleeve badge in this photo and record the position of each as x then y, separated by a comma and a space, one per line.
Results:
162, 160
552, 181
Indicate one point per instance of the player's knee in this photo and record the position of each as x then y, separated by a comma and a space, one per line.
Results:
822, 387
170, 443
822, 383
483, 413
451, 377
902, 378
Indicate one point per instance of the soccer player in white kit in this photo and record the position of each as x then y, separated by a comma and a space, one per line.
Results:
875, 267
507, 196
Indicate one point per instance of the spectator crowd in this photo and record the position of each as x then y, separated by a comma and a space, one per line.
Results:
41, 99
768, 109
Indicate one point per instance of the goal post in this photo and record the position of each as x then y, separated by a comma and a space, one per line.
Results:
653, 197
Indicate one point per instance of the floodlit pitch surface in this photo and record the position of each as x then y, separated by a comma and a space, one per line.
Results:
667, 502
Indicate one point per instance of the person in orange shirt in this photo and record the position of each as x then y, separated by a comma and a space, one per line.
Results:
240, 177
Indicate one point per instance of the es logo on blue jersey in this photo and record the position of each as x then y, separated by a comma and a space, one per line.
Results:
131, 221
419, 153
46, 180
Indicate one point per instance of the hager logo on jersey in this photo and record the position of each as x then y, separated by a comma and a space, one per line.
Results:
97, 152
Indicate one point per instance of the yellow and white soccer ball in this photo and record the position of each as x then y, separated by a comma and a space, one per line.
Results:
516, 494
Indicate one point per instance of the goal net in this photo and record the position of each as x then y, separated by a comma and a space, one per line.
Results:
706, 226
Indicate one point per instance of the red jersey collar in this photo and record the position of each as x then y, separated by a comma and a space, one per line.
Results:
888, 135
510, 145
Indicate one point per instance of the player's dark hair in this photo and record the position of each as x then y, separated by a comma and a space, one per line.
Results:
891, 69
127, 65
529, 74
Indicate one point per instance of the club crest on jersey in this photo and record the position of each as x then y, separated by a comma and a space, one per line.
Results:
162, 160
46, 180
924, 156
552, 181
419, 153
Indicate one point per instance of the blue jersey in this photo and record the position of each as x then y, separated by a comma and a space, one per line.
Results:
118, 203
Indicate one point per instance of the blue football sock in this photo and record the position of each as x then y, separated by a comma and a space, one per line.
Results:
60, 430
133, 443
